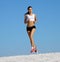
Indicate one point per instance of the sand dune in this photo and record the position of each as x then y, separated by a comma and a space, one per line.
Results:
47, 57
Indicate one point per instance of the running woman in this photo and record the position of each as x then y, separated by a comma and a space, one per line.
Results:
30, 20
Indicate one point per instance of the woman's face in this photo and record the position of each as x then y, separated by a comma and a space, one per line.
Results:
30, 10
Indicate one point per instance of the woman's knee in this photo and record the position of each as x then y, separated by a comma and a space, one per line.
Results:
31, 36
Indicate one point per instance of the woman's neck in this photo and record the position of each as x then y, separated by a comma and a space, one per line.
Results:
30, 13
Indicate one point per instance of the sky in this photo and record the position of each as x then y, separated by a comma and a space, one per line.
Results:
14, 39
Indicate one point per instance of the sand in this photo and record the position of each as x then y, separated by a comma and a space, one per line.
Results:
44, 57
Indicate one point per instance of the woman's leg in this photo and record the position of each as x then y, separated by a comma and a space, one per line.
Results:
30, 34
31, 37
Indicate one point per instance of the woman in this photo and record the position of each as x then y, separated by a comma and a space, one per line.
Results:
30, 20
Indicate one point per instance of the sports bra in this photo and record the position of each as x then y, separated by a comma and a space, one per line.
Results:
30, 17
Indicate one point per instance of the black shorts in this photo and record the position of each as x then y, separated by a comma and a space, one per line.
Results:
30, 28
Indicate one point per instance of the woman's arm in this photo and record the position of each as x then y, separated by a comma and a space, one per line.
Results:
35, 19
25, 19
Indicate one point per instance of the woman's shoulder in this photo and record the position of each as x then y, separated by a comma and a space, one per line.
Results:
34, 14
26, 15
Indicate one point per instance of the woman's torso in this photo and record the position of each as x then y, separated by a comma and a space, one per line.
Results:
30, 19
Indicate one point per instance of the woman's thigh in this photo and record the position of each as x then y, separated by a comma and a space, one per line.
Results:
32, 32
29, 33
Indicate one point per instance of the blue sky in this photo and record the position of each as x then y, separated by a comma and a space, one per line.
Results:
13, 36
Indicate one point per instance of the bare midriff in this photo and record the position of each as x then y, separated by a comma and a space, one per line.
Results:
30, 23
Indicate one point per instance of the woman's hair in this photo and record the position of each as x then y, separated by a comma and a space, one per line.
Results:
28, 9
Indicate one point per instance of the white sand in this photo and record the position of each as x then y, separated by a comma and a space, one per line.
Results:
47, 57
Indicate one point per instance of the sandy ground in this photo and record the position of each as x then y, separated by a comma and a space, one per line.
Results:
47, 57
